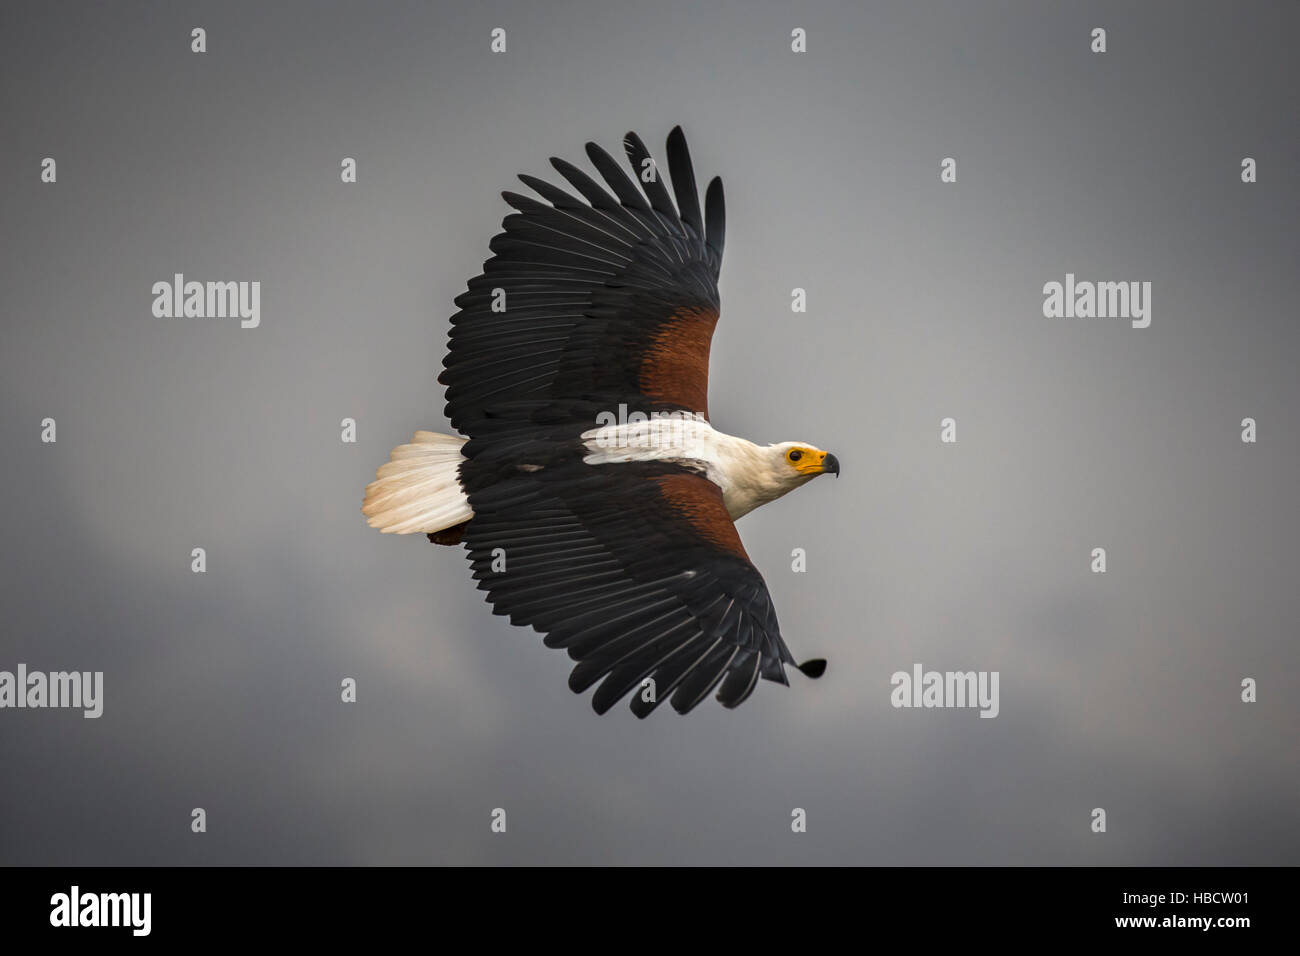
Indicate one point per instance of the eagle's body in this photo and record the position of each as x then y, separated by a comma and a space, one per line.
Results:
594, 496
748, 474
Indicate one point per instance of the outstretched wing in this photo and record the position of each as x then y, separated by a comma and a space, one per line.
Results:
636, 569
594, 303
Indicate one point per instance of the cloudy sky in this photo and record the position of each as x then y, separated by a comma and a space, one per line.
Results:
1118, 690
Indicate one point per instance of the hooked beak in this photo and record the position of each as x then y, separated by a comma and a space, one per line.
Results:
831, 465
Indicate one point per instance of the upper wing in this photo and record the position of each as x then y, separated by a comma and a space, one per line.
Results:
608, 303
638, 571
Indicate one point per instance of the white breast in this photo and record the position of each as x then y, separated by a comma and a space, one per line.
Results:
735, 465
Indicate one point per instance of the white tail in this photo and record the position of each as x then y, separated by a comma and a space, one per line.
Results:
418, 488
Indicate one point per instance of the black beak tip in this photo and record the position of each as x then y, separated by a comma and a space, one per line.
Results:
831, 466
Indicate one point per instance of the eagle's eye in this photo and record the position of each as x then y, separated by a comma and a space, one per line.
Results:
795, 455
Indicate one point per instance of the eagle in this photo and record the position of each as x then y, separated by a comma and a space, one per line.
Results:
595, 499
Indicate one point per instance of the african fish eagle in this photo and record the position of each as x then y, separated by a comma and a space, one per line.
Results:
596, 501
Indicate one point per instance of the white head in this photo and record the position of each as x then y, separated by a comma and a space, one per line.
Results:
797, 462
766, 472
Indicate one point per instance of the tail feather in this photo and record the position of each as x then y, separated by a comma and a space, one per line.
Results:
418, 488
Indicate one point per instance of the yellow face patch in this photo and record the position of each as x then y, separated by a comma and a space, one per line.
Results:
806, 461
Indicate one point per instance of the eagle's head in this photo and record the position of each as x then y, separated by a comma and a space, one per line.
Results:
798, 462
